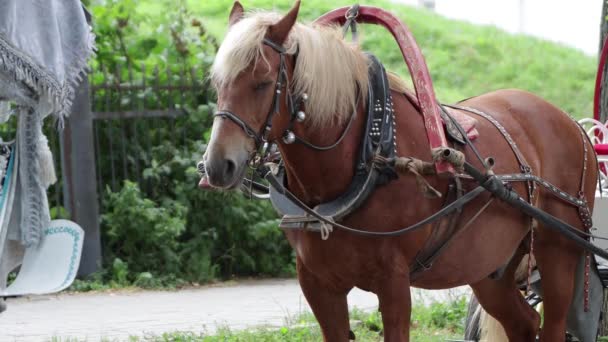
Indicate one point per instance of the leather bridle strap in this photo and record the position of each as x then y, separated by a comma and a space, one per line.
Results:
278, 48
340, 138
248, 130
262, 136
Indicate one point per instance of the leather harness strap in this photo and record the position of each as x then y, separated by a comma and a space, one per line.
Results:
524, 165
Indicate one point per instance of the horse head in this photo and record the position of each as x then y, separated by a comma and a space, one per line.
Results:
250, 73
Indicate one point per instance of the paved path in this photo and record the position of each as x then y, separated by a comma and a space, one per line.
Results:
117, 315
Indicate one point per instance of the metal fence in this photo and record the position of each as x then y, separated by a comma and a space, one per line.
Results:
133, 115
116, 123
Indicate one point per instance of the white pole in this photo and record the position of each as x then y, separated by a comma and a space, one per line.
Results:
428, 4
521, 16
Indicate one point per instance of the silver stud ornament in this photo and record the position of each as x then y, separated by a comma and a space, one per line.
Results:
289, 137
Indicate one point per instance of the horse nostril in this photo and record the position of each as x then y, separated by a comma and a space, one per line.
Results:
222, 172
230, 167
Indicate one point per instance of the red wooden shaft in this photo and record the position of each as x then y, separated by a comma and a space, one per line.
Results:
415, 63
598, 81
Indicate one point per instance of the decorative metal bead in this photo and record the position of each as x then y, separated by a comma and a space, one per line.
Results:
200, 167
300, 116
304, 97
289, 137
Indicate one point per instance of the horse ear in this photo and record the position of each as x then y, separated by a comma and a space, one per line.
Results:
278, 32
236, 14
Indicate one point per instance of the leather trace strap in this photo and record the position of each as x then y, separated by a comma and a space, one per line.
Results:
468, 197
495, 186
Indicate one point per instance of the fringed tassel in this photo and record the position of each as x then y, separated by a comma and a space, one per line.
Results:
48, 176
14, 63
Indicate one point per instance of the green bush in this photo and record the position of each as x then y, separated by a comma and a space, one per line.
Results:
142, 232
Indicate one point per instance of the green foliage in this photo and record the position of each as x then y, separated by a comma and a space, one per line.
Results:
149, 34
444, 315
162, 250
139, 230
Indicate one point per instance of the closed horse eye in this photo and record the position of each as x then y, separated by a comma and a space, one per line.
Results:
261, 85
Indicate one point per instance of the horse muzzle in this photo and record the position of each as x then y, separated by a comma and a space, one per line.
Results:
221, 173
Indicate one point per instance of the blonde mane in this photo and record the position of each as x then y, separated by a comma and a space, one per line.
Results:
331, 71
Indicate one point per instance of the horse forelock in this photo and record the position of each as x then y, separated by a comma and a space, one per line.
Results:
331, 71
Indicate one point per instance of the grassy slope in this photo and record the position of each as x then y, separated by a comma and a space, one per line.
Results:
464, 59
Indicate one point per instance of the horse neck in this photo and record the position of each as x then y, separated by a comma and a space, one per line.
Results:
319, 176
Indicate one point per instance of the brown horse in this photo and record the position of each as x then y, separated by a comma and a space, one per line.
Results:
333, 73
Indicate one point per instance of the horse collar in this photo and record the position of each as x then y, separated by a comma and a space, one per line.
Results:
378, 141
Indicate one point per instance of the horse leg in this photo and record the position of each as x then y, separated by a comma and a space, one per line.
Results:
557, 259
328, 305
395, 305
502, 300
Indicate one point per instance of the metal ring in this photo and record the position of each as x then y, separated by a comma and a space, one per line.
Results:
350, 15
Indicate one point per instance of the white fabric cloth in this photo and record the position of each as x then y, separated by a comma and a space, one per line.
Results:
46, 45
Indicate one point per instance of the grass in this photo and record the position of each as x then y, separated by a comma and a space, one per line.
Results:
434, 323
464, 59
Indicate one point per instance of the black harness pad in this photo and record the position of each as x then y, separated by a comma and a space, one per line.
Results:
379, 136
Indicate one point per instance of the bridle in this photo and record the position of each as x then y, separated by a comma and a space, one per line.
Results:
261, 137
263, 145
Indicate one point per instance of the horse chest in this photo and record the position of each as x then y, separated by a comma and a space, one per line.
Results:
344, 260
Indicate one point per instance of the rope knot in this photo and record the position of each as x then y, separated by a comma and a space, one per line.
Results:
418, 168
326, 228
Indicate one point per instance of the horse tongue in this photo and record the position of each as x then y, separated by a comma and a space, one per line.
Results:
204, 183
